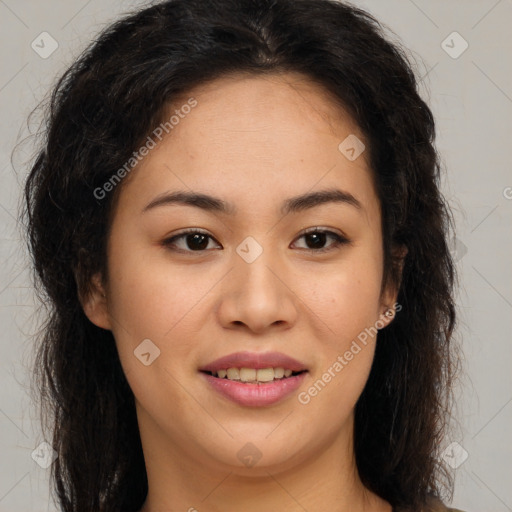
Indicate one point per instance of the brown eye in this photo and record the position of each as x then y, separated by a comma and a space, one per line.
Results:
196, 242
317, 238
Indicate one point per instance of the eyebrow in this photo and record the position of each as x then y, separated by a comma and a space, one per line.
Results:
291, 205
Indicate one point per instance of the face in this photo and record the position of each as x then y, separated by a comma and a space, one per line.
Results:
248, 278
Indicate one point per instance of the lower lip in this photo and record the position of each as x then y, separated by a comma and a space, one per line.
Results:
255, 395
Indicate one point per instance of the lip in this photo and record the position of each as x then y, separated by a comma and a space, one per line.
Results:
255, 360
255, 395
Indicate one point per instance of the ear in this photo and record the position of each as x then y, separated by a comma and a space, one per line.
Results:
389, 305
95, 304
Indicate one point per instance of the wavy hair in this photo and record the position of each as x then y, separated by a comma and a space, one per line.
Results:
102, 109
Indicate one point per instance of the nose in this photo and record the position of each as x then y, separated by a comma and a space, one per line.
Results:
258, 295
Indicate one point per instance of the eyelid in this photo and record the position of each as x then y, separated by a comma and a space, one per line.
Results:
321, 229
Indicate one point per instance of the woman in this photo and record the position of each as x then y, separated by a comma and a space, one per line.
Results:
236, 222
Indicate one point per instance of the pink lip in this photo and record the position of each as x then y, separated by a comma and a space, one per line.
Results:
255, 395
255, 360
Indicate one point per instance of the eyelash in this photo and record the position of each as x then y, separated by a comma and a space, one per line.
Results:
339, 240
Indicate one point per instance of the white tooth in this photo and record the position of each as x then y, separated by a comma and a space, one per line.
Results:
253, 375
265, 375
247, 374
233, 374
279, 372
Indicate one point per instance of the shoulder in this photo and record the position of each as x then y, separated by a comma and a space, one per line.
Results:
436, 505
432, 505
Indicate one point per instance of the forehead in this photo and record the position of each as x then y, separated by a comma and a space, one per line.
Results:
258, 137
265, 97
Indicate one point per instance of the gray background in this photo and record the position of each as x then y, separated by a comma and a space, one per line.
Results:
471, 97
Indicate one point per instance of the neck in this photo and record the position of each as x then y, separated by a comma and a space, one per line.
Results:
181, 478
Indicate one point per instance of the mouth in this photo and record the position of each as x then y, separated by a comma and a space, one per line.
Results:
254, 375
255, 379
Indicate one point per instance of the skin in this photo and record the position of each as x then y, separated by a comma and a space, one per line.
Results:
252, 141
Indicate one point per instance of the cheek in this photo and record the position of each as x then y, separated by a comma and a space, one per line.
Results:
153, 313
345, 352
151, 296
150, 302
345, 297
345, 304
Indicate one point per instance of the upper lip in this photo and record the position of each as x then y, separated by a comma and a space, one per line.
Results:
255, 360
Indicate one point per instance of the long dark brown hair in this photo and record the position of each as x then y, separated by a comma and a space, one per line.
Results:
103, 108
